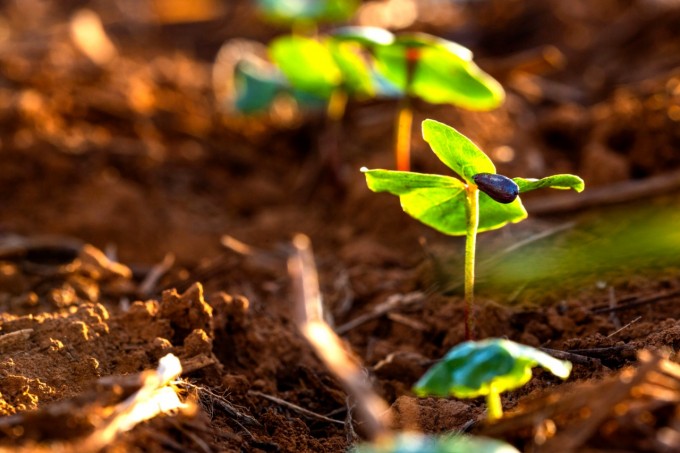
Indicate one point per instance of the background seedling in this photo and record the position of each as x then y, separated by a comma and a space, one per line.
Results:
430, 68
456, 207
421, 443
369, 62
487, 368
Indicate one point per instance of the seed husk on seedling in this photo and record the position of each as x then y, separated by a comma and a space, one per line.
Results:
460, 207
486, 368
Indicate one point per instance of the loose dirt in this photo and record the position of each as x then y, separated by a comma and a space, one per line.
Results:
120, 180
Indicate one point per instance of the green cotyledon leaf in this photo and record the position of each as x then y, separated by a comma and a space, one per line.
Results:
439, 201
475, 368
443, 72
441, 77
307, 64
555, 182
457, 151
366, 36
356, 73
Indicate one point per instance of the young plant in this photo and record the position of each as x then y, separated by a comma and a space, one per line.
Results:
410, 442
480, 201
426, 67
487, 368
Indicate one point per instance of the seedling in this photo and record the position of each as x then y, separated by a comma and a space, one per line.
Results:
409, 442
487, 368
480, 201
426, 67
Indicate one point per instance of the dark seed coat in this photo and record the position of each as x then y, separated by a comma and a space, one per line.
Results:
498, 187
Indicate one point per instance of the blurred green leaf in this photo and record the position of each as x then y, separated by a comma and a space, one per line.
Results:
477, 368
255, 89
441, 77
311, 10
366, 36
443, 72
439, 201
424, 40
457, 151
421, 443
563, 182
307, 64
356, 74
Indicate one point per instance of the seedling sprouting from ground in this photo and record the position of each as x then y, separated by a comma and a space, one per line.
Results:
409, 442
487, 368
369, 62
481, 201
426, 67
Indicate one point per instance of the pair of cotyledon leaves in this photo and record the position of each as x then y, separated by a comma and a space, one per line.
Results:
412, 442
479, 368
440, 201
442, 71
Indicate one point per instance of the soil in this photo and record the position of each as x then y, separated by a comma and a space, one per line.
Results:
123, 180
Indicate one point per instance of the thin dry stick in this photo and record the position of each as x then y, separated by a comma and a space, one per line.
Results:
295, 407
222, 402
613, 317
371, 409
624, 327
146, 288
639, 302
576, 358
393, 302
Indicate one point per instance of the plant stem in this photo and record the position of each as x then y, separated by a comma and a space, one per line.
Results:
472, 207
494, 408
402, 147
337, 103
330, 139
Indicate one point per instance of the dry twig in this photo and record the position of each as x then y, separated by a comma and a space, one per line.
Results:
295, 407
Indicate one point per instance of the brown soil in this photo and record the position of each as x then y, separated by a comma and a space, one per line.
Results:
136, 159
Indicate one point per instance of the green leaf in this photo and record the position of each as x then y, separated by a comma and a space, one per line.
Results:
563, 182
308, 64
494, 215
424, 40
443, 72
439, 201
313, 10
366, 36
472, 369
356, 74
410, 442
456, 150
441, 77
405, 182
255, 89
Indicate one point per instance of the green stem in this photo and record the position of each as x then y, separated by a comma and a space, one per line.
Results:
402, 146
494, 408
472, 206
